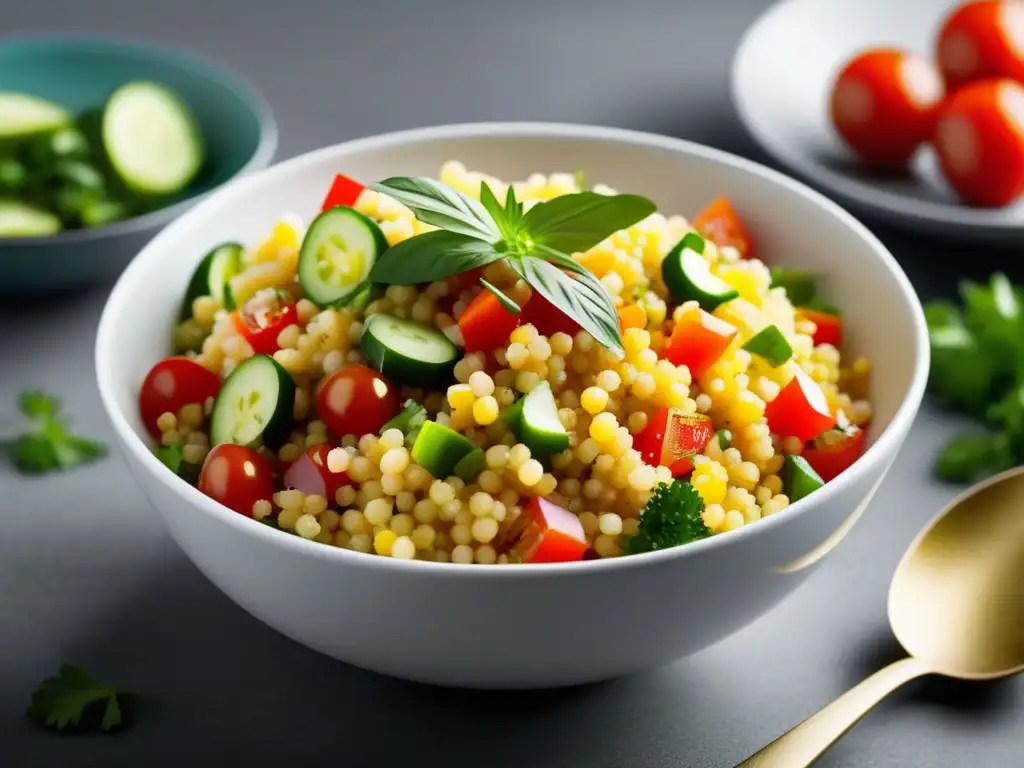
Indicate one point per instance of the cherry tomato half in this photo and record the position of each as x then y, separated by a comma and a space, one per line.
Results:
262, 318
171, 384
980, 40
237, 477
884, 105
980, 142
829, 460
357, 401
309, 474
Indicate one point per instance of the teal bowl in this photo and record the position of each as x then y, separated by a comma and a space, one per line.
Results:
238, 128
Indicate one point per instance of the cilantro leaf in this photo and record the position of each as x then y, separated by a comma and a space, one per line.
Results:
970, 457
63, 700
50, 444
671, 517
961, 373
579, 221
408, 421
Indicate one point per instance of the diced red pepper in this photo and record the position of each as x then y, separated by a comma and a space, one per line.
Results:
800, 410
551, 534
829, 460
547, 318
720, 223
261, 319
343, 191
829, 326
698, 340
671, 438
310, 474
486, 324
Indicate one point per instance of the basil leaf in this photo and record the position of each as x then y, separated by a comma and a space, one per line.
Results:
582, 298
505, 301
440, 205
513, 210
490, 202
432, 256
578, 222
559, 258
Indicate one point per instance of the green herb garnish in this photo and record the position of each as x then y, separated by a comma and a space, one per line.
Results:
62, 700
537, 244
49, 445
771, 345
800, 286
671, 517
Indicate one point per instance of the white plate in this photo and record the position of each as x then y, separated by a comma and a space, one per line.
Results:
781, 77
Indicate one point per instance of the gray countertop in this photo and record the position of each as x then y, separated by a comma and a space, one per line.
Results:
88, 575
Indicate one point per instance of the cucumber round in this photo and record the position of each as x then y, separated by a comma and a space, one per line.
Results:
799, 478
151, 139
23, 115
19, 219
408, 352
337, 254
540, 429
439, 450
254, 406
688, 276
212, 275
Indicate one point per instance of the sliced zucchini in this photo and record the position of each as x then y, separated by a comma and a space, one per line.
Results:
337, 254
254, 406
439, 449
540, 428
408, 352
23, 115
151, 139
19, 219
688, 276
470, 465
799, 478
212, 275
771, 345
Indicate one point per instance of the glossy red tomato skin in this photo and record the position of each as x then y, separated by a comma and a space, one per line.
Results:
260, 324
309, 474
980, 142
884, 105
171, 384
237, 477
980, 40
357, 401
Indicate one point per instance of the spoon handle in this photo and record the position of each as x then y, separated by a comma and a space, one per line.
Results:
804, 744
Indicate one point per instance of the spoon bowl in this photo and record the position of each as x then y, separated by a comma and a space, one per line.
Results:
956, 604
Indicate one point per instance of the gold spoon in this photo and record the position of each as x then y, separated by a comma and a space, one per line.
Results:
956, 604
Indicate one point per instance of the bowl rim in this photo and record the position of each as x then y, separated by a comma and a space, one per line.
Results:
872, 462
860, 194
140, 48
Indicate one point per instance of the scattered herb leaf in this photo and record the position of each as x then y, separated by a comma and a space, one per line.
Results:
49, 445
671, 517
63, 700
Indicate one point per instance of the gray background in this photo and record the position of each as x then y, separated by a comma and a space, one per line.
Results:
87, 574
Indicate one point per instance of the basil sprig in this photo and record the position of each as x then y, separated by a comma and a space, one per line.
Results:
537, 244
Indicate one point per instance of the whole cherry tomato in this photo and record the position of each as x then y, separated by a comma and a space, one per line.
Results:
172, 383
237, 477
357, 401
980, 142
884, 105
981, 40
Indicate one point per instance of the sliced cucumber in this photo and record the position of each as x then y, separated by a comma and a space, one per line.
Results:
771, 345
151, 139
439, 449
408, 352
688, 276
540, 428
19, 219
799, 478
255, 405
212, 275
470, 465
337, 254
23, 115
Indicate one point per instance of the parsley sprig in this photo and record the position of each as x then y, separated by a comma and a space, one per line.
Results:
537, 244
63, 700
49, 444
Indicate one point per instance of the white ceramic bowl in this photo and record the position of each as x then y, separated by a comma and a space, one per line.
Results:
526, 626
782, 76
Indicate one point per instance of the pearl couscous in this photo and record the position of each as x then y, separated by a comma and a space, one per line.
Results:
431, 421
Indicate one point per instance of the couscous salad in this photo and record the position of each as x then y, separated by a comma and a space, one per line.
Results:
464, 370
